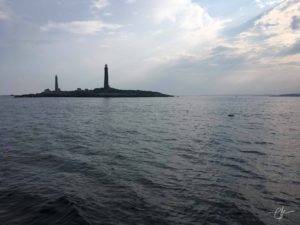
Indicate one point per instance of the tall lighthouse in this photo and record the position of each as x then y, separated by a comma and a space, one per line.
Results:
56, 84
106, 85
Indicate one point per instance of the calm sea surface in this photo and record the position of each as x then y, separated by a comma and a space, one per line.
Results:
151, 161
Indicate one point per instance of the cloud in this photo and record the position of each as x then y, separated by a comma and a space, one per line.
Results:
239, 61
266, 3
181, 25
100, 4
107, 14
272, 33
5, 11
81, 27
185, 13
295, 25
292, 50
276, 25
131, 1
4, 15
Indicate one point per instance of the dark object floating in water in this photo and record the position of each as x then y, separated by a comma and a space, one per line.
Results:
231, 115
106, 91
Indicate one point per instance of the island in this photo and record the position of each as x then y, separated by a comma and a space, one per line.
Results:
106, 91
287, 95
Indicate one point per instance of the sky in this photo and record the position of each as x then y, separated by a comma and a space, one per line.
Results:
181, 47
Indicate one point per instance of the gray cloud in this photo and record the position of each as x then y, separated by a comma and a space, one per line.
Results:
81, 27
5, 11
100, 4
292, 50
295, 25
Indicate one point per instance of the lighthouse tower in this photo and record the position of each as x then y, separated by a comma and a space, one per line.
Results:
56, 84
106, 85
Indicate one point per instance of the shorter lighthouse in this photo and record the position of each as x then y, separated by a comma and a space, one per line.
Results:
106, 85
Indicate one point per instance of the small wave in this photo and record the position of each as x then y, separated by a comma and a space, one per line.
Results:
262, 143
233, 215
241, 169
254, 152
197, 141
24, 208
62, 211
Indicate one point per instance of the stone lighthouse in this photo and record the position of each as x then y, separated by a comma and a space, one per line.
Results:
106, 85
56, 84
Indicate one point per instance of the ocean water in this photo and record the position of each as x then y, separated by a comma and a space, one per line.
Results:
151, 161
